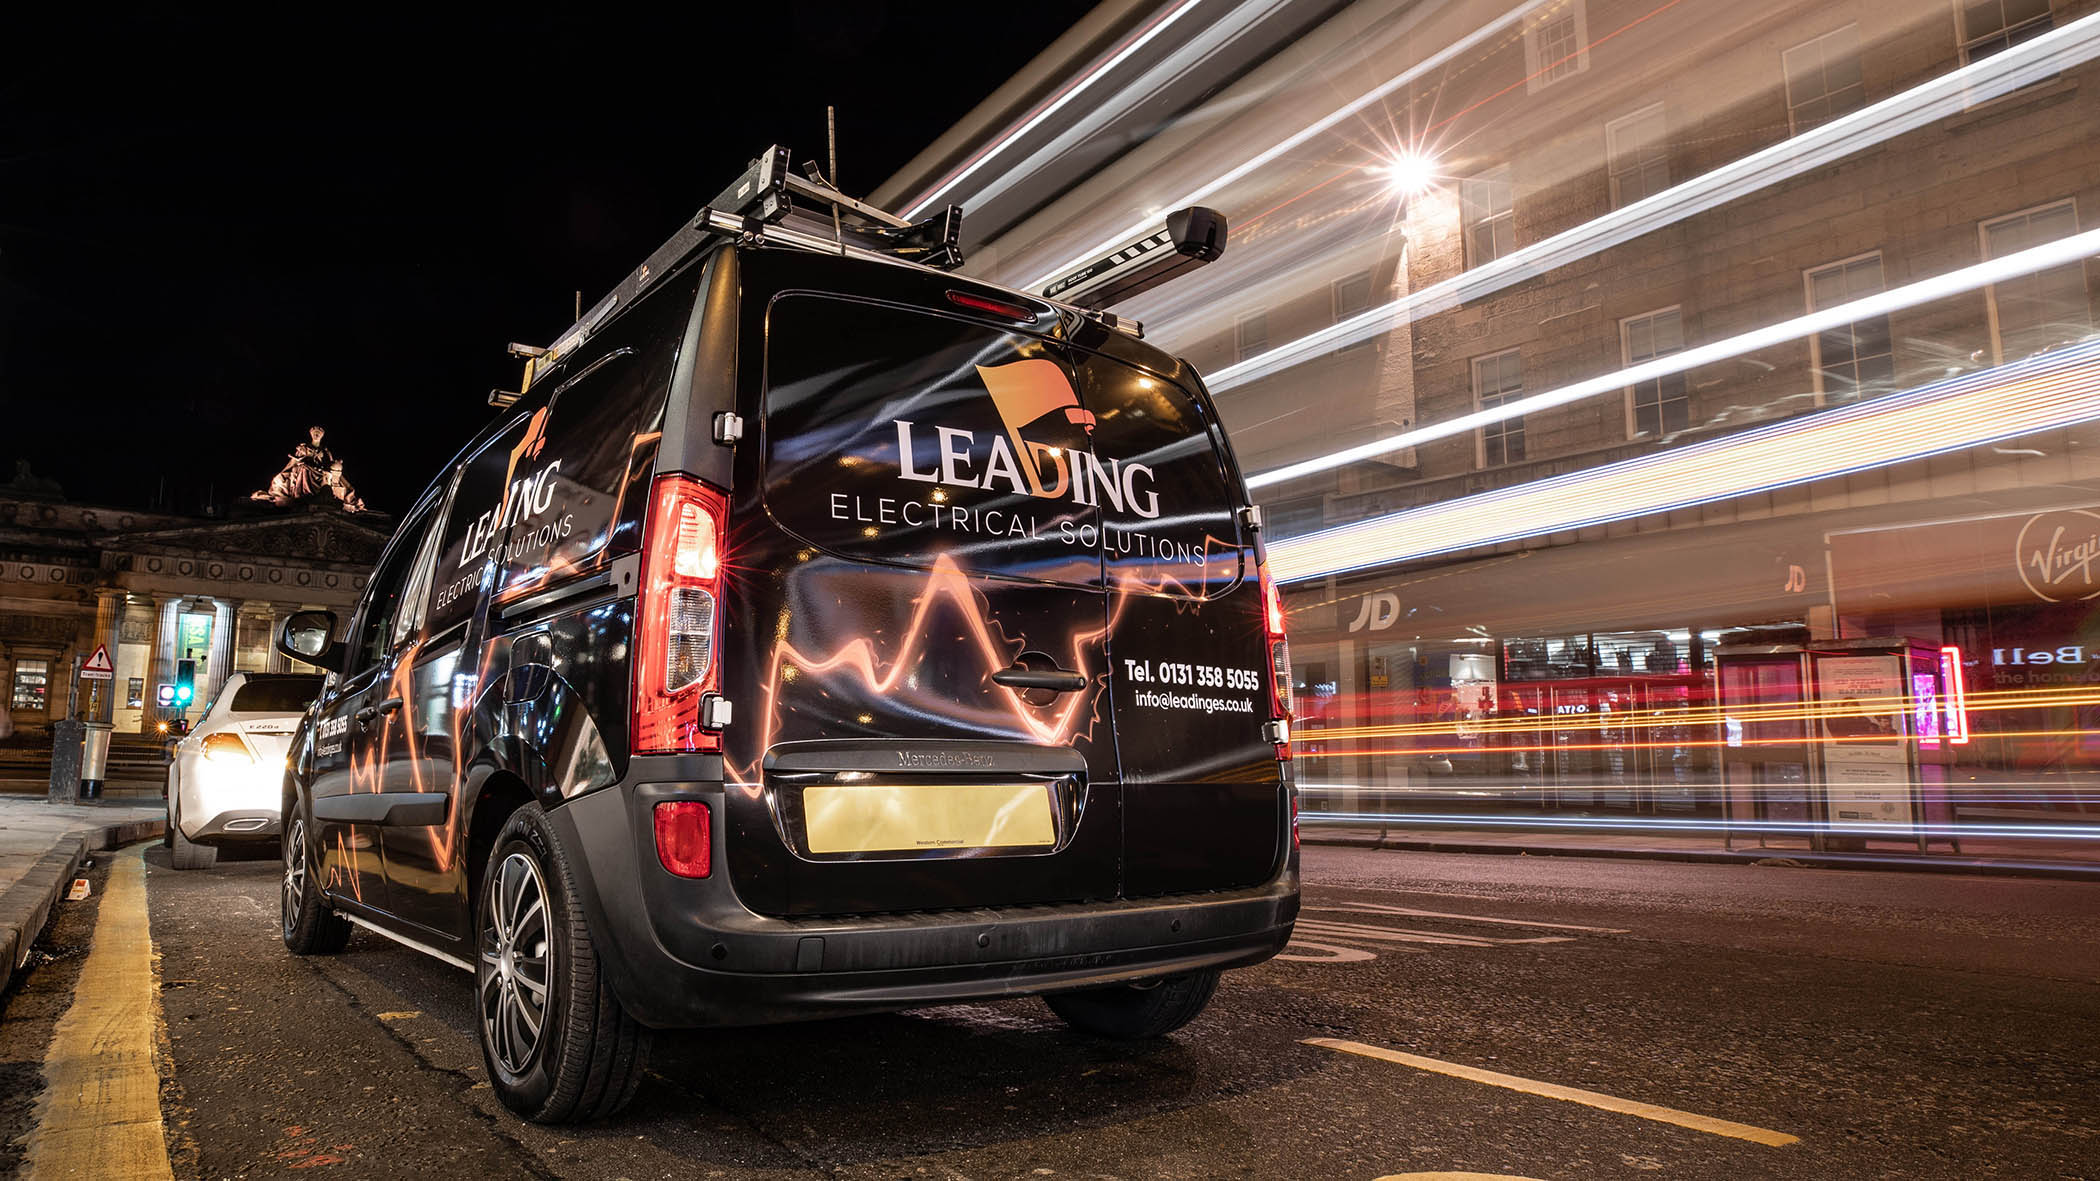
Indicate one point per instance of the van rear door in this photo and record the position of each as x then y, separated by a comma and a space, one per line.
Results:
1203, 807
916, 634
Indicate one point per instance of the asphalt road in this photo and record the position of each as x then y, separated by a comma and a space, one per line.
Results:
1897, 1025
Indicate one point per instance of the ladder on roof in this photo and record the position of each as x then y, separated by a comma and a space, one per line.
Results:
760, 207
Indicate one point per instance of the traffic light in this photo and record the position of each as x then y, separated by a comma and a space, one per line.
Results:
185, 682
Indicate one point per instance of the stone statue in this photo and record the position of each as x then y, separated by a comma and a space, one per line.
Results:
311, 470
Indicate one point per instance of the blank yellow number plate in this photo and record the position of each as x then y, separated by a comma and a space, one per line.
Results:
894, 817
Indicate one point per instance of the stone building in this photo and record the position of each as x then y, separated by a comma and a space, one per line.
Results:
1468, 241
157, 587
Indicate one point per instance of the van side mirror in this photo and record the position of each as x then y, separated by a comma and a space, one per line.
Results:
310, 636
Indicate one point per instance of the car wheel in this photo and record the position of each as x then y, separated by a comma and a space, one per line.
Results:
183, 852
557, 1044
1131, 1011
167, 807
310, 926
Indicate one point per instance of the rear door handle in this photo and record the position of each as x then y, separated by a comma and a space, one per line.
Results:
1056, 680
368, 713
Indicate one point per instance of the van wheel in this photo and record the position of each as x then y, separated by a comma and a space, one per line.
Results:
1132, 1011
184, 853
557, 1044
309, 924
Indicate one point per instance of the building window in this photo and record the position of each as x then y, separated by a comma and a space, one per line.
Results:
1250, 335
1823, 79
1988, 26
1659, 406
1499, 378
1490, 223
1637, 155
1352, 297
32, 688
1556, 45
1859, 354
2046, 308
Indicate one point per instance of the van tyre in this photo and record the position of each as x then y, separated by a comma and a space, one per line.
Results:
183, 853
1132, 1011
557, 1045
310, 926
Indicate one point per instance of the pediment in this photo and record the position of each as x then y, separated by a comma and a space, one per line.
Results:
308, 536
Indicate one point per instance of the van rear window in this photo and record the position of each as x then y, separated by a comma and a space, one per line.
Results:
885, 442
911, 438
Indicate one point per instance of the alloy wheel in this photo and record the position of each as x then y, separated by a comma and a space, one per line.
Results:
517, 964
294, 875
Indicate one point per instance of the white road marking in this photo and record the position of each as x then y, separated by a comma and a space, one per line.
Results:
1364, 940
1382, 908
1336, 954
1597, 1099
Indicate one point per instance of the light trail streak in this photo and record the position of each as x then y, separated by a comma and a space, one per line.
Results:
1660, 744
2047, 392
1291, 142
1951, 93
1066, 94
2075, 832
1748, 712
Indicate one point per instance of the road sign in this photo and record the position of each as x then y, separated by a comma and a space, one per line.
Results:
98, 666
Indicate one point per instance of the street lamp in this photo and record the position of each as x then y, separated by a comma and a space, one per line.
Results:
1410, 174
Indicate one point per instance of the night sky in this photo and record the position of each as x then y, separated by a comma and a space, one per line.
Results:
217, 229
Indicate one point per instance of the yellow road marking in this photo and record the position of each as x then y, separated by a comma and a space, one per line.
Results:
100, 1113
1667, 1115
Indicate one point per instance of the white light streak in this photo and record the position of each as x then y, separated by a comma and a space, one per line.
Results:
1716, 827
1970, 278
2046, 392
2001, 73
1291, 142
1035, 120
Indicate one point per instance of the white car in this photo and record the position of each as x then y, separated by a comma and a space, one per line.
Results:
226, 779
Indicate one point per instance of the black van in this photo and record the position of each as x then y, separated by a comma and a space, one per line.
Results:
819, 632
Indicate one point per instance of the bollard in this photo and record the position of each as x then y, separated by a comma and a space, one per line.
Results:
94, 759
66, 742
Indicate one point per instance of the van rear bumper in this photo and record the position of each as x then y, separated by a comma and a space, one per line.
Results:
682, 953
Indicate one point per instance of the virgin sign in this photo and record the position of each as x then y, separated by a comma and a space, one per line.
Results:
2056, 553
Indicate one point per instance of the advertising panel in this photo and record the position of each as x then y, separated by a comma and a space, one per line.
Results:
1866, 764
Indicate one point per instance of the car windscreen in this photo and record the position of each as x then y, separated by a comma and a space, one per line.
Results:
276, 695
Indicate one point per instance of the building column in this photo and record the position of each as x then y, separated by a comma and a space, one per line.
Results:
253, 625
109, 624
160, 663
224, 613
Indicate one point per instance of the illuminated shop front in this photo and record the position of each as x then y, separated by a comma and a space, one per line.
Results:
1579, 675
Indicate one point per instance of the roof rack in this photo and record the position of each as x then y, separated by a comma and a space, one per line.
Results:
760, 207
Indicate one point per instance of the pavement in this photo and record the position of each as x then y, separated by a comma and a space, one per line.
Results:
1434, 1015
2015, 857
41, 848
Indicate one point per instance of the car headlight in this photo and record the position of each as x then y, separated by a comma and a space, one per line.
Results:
227, 748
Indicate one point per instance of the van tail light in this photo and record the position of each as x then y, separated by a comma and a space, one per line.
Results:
679, 616
682, 838
1279, 664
